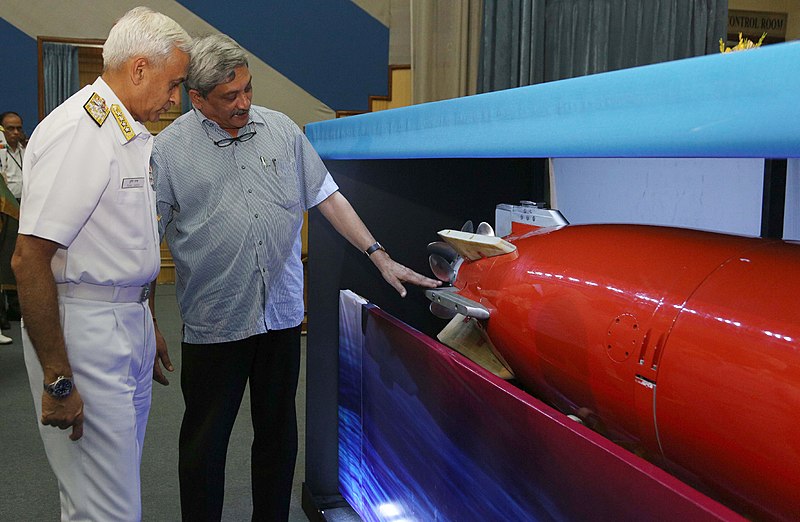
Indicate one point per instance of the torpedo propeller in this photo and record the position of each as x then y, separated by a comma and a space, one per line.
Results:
485, 229
445, 261
442, 249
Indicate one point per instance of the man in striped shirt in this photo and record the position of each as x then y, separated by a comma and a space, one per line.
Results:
233, 181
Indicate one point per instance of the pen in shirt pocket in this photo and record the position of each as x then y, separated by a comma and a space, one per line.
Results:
264, 164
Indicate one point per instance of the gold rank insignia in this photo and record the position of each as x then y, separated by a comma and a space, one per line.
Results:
124, 126
96, 108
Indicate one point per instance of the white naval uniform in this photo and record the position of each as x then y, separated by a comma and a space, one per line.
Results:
87, 187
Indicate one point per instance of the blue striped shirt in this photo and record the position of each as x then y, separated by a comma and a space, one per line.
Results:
232, 218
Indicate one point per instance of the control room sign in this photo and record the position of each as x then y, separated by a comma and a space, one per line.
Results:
756, 23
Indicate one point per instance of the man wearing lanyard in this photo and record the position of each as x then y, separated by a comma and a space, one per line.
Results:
233, 181
86, 253
14, 152
12, 160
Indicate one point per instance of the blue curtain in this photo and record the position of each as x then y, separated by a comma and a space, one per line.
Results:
532, 41
60, 65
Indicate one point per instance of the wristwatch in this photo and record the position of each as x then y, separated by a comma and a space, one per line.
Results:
60, 388
374, 248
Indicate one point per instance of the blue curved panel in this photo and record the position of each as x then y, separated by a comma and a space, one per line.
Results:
425, 434
331, 48
740, 104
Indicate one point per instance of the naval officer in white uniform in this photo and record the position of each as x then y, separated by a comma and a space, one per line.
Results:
87, 251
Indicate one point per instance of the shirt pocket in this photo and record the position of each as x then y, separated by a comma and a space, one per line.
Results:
287, 193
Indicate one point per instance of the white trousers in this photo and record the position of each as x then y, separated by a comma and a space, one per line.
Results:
111, 348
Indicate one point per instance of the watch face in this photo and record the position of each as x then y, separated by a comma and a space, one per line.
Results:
61, 388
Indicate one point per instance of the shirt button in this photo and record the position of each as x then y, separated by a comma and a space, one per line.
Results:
249, 191
263, 270
259, 243
242, 166
256, 215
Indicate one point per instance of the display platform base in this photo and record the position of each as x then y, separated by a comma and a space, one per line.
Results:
425, 434
327, 508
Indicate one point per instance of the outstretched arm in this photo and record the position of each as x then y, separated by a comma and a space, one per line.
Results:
338, 211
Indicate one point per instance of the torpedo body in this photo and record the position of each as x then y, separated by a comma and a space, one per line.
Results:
681, 345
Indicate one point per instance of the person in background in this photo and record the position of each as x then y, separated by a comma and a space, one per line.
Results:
9, 209
13, 157
233, 181
86, 253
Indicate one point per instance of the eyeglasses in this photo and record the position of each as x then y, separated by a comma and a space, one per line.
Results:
241, 138
224, 142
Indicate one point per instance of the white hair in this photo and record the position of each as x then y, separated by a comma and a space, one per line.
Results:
214, 60
143, 32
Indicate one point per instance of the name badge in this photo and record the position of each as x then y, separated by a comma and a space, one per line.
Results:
132, 183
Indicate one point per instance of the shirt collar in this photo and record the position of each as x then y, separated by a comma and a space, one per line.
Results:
139, 130
202, 119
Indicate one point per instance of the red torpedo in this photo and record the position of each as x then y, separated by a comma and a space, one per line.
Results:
681, 345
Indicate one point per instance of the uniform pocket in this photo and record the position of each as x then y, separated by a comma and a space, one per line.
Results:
131, 197
134, 209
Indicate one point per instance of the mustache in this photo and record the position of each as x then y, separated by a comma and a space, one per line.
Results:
240, 112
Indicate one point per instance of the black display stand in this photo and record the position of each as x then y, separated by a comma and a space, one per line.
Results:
404, 203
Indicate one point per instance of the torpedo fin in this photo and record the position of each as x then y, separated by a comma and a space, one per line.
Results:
442, 312
476, 246
448, 298
465, 335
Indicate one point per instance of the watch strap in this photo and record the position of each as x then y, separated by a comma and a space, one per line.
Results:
374, 248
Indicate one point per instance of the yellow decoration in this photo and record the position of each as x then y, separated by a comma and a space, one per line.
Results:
122, 121
744, 44
96, 108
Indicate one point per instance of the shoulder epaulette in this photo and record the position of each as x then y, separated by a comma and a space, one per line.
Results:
96, 109
124, 126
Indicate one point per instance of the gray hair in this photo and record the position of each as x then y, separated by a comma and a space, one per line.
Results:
213, 62
143, 32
